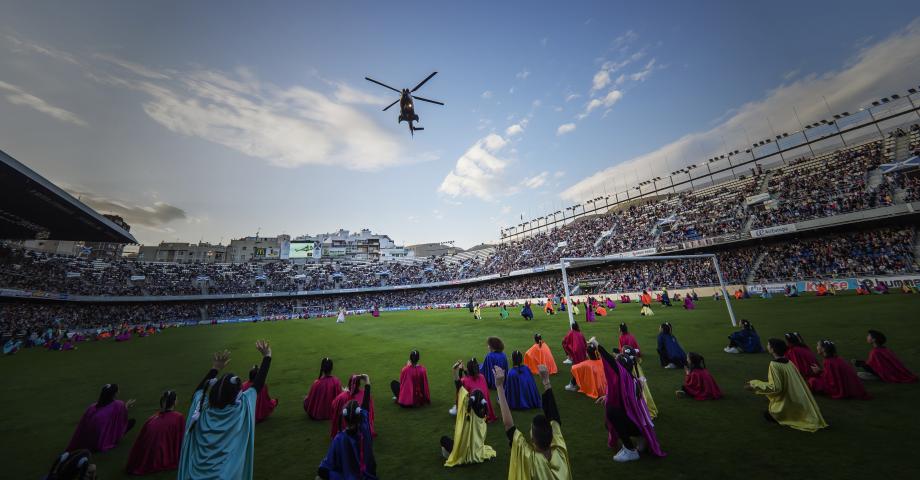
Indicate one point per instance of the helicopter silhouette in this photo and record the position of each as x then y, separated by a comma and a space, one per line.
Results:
406, 106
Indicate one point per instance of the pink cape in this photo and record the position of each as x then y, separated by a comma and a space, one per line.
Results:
575, 346
700, 385
413, 386
803, 358
265, 404
622, 385
479, 383
157, 446
338, 423
628, 340
318, 403
888, 367
100, 429
838, 380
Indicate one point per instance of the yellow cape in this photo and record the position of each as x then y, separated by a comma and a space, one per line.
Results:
527, 463
791, 402
647, 394
469, 435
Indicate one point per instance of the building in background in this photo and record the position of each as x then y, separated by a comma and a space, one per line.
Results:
76, 248
427, 250
180, 252
259, 249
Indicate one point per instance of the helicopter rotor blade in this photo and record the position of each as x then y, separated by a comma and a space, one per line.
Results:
427, 100
390, 105
423, 82
369, 79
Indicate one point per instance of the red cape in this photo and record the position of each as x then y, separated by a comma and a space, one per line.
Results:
888, 368
318, 403
803, 358
338, 423
838, 380
157, 446
265, 405
479, 383
575, 346
700, 385
627, 339
413, 387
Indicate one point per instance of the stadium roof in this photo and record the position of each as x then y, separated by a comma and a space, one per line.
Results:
31, 207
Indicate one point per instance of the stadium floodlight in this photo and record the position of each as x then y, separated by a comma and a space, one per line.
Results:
566, 263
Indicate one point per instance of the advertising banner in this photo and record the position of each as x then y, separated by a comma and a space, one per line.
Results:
301, 249
770, 231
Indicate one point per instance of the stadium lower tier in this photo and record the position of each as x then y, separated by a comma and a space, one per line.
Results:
873, 252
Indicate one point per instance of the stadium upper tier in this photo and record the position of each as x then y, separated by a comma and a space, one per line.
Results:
845, 185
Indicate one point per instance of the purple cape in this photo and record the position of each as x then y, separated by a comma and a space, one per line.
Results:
621, 384
100, 429
521, 389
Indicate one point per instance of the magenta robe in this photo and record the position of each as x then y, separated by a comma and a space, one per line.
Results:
888, 367
700, 385
338, 421
621, 393
265, 404
803, 358
479, 383
318, 403
413, 386
100, 429
838, 380
575, 346
628, 340
158, 444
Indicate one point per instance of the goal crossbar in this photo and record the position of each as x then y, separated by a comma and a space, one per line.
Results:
565, 263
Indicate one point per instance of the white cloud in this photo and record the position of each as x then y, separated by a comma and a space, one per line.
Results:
478, 172
522, 75
571, 96
348, 94
154, 216
133, 67
513, 130
536, 181
536, 103
506, 209
600, 80
565, 128
607, 101
559, 174
487, 94
874, 71
19, 45
641, 75
18, 96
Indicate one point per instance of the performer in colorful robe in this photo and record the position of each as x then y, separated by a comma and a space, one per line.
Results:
611, 305
318, 402
351, 454
341, 317
837, 378
626, 413
745, 340
526, 311
542, 454
477, 312
471, 379
123, 336
799, 354
549, 308
219, 439
412, 388
354, 392
670, 353
698, 384
104, 423
646, 300
160, 440
496, 356
540, 354
790, 401
627, 339
589, 310
665, 298
588, 376
883, 364
503, 312
468, 444
375, 312
520, 389
688, 302
11, 346
265, 404
574, 345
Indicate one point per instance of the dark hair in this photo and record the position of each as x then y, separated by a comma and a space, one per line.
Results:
576, 327
666, 328
793, 338
516, 358
779, 347
253, 373
167, 401
354, 384
478, 403
592, 351
830, 350
351, 414
537, 338
70, 466
107, 395
878, 336
696, 361
628, 359
414, 357
325, 367
624, 328
225, 391
746, 325
472, 367
496, 344
542, 432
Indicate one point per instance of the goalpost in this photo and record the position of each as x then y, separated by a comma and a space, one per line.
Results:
565, 263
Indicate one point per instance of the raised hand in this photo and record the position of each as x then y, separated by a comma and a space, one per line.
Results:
220, 359
544, 374
499, 375
130, 403
264, 348
457, 365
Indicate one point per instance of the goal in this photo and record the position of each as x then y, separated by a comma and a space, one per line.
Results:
572, 262
310, 311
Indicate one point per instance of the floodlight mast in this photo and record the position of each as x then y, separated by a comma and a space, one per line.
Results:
564, 263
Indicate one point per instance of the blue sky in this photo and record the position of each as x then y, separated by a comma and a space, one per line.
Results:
212, 120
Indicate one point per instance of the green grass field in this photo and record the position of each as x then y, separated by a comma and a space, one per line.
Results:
46, 392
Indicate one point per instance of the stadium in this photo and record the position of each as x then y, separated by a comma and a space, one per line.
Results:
548, 352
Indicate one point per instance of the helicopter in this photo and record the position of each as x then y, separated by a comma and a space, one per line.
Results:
406, 106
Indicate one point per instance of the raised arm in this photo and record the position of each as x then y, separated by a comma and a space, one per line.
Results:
218, 361
549, 400
266, 350
507, 419
366, 401
456, 369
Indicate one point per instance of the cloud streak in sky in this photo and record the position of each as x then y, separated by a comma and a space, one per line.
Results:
18, 96
479, 172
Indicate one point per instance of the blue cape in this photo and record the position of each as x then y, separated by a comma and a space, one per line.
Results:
748, 341
668, 344
343, 460
221, 443
521, 389
491, 360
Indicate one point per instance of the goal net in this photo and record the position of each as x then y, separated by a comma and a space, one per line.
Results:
705, 260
